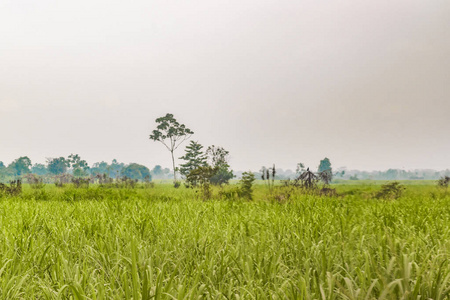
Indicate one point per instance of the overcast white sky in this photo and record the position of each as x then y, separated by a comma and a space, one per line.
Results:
365, 83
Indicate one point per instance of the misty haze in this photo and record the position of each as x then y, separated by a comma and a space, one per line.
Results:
224, 149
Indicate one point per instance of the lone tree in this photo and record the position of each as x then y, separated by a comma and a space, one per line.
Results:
194, 158
171, 134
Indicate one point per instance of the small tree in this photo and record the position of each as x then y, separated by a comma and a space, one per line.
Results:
325, 170
308, 180
171, 134
392, 190
324, 165
201, 177
218, 159
246, 182
194, 157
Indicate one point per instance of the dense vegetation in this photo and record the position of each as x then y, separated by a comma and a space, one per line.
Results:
74, 166
73, 231
104, 242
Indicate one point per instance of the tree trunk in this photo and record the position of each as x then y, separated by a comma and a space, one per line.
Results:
174, 172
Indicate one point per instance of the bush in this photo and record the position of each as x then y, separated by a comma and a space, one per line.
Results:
390, 191
246, 183
35, 181
14, 188
443, 182
81, 182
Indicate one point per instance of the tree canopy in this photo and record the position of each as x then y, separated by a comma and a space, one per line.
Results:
218, 159
194, 158
21, 166
57, 165
136, 171
171, 134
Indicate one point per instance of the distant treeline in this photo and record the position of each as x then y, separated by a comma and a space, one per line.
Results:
78, 167
391, 174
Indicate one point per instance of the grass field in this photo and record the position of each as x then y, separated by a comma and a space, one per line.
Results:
165, 243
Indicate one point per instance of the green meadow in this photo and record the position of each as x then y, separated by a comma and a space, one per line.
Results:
158, 242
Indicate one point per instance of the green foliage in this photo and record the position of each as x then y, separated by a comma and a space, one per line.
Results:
58, 166
14, 188
34, 180
325, 176
171, 134
218, 160
300, 168
201, 177
222, 176
80, 182
39, 169
100, 168
355, 177
246, 184
176, 184
20, 166
194, 158
161, 243
325, 165
61, 180
136, 171
79, 166
157, 171
115, 168
390, 191
443, 182
79, 172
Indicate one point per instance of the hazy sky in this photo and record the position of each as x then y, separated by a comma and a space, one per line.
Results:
365, 83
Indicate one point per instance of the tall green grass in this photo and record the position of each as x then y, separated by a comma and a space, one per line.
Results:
162, 243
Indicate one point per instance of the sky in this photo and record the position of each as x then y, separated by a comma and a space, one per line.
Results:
364, 83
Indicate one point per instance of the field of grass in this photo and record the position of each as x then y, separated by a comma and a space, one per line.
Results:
165, 243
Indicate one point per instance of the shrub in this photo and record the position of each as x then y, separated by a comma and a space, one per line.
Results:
443, 182
230, 192
35, 181
201, 178
80, 182
246, 183
14, 188
390, 191
62, 179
